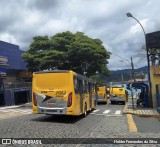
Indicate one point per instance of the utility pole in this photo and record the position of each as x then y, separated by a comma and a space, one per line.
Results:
133, 77
122, 77
133, 74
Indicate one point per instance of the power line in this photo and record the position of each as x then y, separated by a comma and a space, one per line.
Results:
123, 58
120, 57
137, 66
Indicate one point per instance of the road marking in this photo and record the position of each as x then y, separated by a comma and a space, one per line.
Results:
96, 110
16, 110
118, 112
4, 111
8, 115
114, 115
143, 111
9, 107
106, 111
106, 115
97, 114
131, 124
150, 112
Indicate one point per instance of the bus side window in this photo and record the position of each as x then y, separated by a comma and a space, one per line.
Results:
84, 86
92, 88
76, 86
89, 87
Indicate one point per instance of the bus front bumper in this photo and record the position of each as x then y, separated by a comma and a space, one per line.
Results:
100, 100
117, 99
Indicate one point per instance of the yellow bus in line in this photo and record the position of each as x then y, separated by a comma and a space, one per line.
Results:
102, 97
118, 94
62, 92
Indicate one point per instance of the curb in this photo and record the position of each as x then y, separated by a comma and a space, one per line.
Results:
17, 106
125, 108
125, 111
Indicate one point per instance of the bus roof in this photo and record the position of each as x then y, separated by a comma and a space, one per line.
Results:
53, 71
65, 71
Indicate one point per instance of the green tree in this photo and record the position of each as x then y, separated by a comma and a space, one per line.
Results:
67, 51
98, 79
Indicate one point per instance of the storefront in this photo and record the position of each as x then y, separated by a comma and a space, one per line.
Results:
13, 88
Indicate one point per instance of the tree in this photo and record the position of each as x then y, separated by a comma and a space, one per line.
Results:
98, 79
67, 51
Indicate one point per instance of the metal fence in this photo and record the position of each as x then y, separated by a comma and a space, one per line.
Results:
17, 85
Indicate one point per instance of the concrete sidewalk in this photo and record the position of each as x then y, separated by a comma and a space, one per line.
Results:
143, 112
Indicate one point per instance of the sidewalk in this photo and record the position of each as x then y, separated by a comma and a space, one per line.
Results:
17, 106
143, 112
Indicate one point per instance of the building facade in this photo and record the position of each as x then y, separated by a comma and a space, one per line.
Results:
155, 85
13, 75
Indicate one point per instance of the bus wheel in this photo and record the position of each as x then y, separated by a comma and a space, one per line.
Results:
85, 111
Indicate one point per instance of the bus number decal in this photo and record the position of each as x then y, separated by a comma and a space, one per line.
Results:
44, 92
60, 93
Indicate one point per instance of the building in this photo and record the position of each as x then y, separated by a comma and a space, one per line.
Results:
155, 85
13, 75
153, 47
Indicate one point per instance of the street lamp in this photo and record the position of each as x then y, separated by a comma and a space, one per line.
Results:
130, 15
147, 50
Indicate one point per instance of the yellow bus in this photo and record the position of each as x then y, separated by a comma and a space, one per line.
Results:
117, 94
62, 92
102, 97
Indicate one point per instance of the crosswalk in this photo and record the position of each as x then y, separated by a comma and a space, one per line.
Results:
99, 111
6, 113
108, 112
22, 111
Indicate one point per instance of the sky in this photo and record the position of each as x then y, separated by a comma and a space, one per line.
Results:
103, 19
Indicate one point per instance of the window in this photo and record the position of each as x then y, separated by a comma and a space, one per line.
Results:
85, 86
76, 85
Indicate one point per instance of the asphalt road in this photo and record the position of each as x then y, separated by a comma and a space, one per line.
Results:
38, 125
106, 121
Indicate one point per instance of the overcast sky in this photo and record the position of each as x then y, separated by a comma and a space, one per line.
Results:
20, 20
